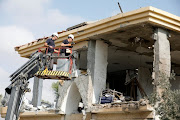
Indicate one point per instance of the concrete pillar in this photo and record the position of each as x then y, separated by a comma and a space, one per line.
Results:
63, 91
97, 66
37, 92
84, 84
72, 91
91, 57
71, 100
162, 61
145, 79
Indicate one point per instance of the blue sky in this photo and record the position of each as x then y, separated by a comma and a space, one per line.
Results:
69, 12
99, 9
22, 21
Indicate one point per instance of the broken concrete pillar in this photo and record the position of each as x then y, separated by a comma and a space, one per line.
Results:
37, 91
69, 98
84, 84
162, 61
72, 91
97, 66
145, 79
62, 91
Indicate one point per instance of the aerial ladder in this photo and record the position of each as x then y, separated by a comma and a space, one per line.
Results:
37, 65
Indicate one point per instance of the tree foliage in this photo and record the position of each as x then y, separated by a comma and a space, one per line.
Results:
168, 102
44, 101
55, 87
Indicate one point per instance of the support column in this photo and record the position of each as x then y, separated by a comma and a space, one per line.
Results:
37, 92
97, 66
162, 61
71, 93
63, 93
84, 84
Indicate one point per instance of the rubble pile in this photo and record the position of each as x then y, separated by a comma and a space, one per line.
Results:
26, 106
118, 100
109, 96
131, 105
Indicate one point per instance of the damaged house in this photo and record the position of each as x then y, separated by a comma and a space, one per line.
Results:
118, 64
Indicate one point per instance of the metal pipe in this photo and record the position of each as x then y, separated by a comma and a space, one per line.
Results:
120, 7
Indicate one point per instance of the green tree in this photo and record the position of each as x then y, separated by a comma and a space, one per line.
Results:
168, 108
44, 101
55, 87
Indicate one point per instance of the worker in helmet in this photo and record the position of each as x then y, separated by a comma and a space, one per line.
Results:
51, 45
67, 43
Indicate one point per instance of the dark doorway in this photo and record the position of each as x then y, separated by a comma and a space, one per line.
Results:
116, 81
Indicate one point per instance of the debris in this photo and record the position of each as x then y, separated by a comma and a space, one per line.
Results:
109, 96
130, 105
143, 102
27, 107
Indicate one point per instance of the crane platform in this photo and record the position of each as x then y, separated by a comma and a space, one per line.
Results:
59, 75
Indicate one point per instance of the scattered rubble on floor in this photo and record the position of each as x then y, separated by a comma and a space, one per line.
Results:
111, 98
26, 106
124, 105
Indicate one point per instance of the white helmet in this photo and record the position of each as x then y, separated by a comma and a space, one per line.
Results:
55, 34
71, 36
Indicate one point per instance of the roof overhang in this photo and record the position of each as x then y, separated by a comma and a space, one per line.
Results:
150, 15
